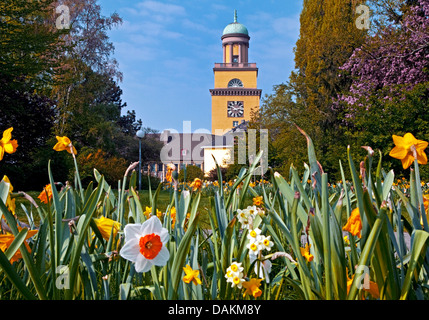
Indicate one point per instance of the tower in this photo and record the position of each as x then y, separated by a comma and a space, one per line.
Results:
235, 92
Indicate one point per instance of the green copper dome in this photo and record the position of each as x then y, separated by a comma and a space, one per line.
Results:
235, 27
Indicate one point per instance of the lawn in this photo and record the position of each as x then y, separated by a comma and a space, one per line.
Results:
164, 199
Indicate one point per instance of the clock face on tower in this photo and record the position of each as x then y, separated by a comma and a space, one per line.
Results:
235, 109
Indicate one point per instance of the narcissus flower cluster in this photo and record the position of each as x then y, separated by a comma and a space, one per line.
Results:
246, 216
234, 275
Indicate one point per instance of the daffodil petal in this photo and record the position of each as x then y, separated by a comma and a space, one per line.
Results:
162, 257
7, 135
407, 161
398, 140
152, 225
9, 148
421, 145
59, 147
132, 231
422, 158
142, 264
398, 153
131, 250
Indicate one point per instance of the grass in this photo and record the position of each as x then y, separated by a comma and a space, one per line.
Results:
164, 199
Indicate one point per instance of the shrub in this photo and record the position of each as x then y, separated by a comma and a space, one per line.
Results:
192, 172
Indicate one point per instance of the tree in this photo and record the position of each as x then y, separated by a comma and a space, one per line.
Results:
28, 45
390, 89
328, 37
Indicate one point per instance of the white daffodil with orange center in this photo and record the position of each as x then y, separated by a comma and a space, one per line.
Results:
145, 244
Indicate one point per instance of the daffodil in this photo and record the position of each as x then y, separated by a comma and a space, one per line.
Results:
257, 201
196, 184
7, 144
10, 203
254, 247
64, 143
170, 168
266, 243
191, 275
46, 195
105, 226
148, 212
305, 252
234, 275
354, 223
252, 287
254, 234
173, 215
145, 244
7, 239
404, 150
246, 216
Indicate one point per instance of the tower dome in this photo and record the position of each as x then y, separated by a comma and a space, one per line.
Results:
235, 27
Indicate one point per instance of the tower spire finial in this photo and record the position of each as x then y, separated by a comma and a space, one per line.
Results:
235, 15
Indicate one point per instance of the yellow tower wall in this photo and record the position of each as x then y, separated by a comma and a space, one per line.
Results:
249, 78
220, 119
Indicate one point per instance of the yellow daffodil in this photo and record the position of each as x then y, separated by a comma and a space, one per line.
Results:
64, 143
148, 212
257, 201
10, 203
170, 168
252, 287
173, 216
305, 252
7, 239
105, 226
46, 195
7, 144
191, 275
354, 223
403, 150
196, 184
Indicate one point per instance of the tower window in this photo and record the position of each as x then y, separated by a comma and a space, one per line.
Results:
235, 124
235, 83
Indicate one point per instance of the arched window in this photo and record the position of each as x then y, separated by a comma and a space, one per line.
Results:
235, 83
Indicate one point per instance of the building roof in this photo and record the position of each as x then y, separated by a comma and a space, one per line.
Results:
235, 27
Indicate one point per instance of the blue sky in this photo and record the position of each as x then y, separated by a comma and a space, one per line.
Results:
166, 50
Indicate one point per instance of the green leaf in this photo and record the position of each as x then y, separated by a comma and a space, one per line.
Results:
418, 249
13, 276
17, 242
181, 255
